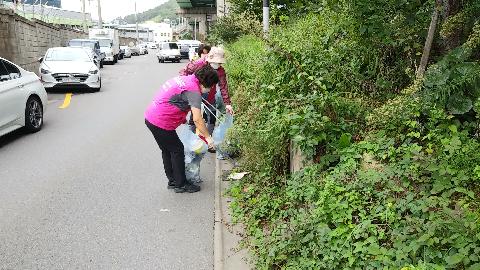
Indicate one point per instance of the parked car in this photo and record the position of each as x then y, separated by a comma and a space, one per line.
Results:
92, 55
109, 42
69, 67
143, 49
128, 52
152, 45
89, 43
121, 54
184, 50
135, 50
168, 51
23, 99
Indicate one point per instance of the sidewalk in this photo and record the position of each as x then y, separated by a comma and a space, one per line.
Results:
226, 253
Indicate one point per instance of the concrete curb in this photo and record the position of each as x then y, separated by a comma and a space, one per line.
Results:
227, 235
218, 226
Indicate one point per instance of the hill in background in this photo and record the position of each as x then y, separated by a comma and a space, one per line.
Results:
166, 10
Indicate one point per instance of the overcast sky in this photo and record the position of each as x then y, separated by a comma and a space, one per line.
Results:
112, 9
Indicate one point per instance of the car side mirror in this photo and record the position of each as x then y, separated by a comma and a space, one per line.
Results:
40, 60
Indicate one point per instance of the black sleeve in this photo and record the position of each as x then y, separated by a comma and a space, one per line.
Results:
194, 99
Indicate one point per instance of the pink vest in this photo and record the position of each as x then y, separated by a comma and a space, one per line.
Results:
198, 64
165, 115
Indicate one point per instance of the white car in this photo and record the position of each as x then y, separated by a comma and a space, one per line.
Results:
169, 51
92, 55
143, 49
23, 99
152, 45
128, 52
69, 67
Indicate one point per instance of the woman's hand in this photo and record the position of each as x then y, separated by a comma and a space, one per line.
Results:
229, 109
210, 142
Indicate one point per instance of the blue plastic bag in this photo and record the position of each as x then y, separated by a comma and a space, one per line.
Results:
219, 135
221, 131
195, 149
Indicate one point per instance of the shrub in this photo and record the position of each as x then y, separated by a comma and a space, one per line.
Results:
393, 181
229, 28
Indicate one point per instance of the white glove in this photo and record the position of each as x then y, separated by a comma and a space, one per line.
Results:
229, 109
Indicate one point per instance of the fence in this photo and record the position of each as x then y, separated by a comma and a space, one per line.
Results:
23, 41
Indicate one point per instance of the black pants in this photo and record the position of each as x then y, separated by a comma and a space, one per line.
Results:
173, 154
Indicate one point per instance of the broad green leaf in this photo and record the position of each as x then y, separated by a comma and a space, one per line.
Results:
454, 259
459, 104
345, 140
453, 128
474, 267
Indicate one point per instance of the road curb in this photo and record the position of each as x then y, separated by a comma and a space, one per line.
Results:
218, 226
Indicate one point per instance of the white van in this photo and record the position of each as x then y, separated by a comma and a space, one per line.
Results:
168, 51
185, 45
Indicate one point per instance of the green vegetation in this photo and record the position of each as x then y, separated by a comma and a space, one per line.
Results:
166, 10
394, 177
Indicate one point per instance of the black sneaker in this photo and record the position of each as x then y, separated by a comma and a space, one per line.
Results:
170, 186
187, 188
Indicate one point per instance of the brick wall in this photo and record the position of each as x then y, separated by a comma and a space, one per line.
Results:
23, 41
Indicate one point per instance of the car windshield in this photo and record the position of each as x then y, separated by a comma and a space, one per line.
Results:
104, 42
79, 43
67, 55
172, 46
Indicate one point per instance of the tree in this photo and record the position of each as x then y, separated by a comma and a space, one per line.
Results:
428, 43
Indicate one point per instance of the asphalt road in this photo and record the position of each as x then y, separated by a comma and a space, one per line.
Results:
89, 192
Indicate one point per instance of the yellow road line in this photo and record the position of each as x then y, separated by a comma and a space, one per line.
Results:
66, 102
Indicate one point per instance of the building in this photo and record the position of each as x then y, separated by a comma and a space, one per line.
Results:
223, 7
162, 32
130, 31
200, 15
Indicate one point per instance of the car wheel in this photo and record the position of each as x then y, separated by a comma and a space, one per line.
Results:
98, 89
33, 115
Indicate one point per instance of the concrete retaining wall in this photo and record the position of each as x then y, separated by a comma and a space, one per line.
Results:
23, 41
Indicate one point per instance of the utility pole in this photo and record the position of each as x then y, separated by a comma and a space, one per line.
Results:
84, 17
266, 16
100, 24
195, 29
136, 22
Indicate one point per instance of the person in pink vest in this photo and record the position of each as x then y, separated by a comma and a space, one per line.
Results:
168, 110
215, 59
